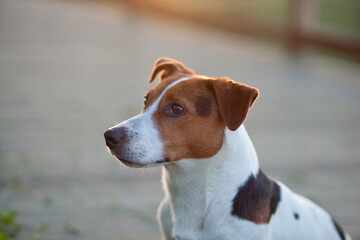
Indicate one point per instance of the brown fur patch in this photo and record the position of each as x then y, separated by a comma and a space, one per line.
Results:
190, 136
169, 67
234, 101
203, 105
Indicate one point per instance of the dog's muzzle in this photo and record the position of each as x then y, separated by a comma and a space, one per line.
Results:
117, 139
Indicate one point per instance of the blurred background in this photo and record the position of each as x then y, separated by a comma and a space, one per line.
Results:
71, 69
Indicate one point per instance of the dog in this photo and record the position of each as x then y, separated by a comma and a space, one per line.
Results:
192, 125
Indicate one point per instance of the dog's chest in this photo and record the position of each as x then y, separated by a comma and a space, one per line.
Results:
212, 220
203, 211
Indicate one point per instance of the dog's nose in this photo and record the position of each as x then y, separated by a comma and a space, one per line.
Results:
115, 136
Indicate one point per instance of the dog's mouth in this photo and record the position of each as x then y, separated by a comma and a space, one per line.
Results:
130, 163
163, 161
142, 165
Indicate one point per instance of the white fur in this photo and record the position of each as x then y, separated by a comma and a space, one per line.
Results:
199, 195
200, 191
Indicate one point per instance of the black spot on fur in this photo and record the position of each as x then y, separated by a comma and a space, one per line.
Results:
296, 216
275, 197
203, 105
339, 230
257, 199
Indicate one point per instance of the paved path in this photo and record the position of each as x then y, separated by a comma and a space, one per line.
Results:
68, 71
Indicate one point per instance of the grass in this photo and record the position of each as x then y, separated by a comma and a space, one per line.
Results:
9, 227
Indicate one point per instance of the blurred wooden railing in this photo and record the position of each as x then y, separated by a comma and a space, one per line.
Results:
296, 35
300, 35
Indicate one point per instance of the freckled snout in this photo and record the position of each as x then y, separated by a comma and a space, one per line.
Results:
115, 137
127, 145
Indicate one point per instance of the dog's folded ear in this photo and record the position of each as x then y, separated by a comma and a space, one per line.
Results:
234, 100
169, 67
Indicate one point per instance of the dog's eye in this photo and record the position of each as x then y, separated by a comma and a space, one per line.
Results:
146, 97
174, 110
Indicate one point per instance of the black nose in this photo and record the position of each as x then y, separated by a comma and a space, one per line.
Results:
115, 136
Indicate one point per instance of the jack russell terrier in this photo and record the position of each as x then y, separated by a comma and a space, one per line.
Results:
192, 125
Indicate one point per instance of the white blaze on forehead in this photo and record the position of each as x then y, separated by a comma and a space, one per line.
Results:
154, 106
145, 145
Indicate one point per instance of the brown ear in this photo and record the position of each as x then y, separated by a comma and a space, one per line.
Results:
234, 101
169, 67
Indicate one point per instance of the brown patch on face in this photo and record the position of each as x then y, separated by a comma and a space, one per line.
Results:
209, 106
203, 105
190, 135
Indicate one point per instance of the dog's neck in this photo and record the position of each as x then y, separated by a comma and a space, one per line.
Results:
193, 184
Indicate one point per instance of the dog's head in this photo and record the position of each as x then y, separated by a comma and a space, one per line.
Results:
184, 116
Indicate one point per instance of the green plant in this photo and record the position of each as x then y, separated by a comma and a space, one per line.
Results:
9, 228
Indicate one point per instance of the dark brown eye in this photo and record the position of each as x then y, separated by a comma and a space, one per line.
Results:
146, 97
177, 109
174, 110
